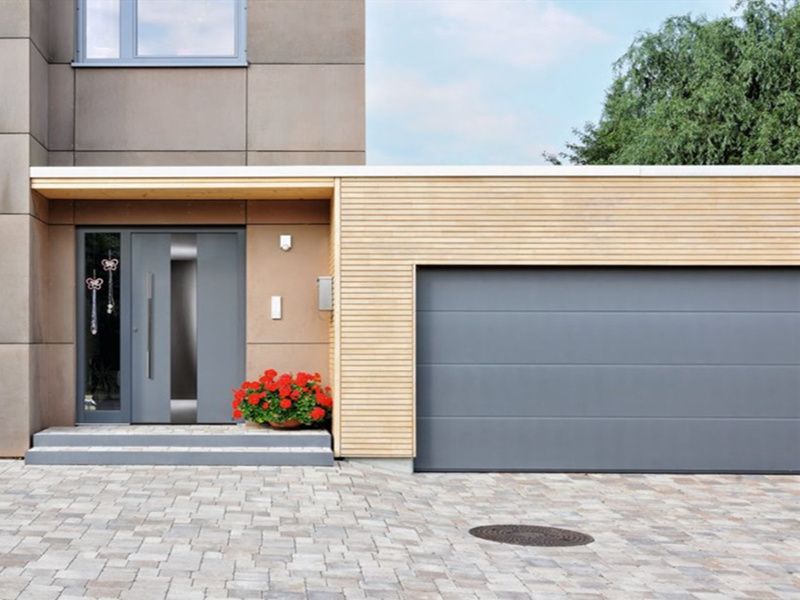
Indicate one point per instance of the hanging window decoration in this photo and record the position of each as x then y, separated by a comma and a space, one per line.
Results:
94, 284
109, 266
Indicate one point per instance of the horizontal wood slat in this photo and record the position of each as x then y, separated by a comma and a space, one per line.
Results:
388, 226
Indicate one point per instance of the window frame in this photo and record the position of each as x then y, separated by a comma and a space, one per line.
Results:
128, 24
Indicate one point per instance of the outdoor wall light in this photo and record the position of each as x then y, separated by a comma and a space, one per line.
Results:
286, 243
276, 308
325, 293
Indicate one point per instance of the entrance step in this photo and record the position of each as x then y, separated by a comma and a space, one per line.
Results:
179, 455
227, 445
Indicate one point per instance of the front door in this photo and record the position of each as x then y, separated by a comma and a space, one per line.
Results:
181, 322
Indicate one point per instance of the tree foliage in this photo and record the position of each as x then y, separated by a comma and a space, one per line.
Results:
703, 92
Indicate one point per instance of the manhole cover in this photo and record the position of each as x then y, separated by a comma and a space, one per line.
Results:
531, 535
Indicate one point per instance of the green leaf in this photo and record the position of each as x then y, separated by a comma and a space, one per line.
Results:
700, 92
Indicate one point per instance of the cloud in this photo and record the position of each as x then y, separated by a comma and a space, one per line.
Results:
452, 81
524, 33
446, 122
456, 107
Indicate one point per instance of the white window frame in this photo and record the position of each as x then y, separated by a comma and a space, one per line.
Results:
127, 43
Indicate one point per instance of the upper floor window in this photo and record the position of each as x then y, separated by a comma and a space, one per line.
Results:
161, 32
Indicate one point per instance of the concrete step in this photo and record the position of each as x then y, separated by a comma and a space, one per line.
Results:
210, 436
180, 455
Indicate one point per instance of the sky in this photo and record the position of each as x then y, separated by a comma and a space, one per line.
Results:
472, 82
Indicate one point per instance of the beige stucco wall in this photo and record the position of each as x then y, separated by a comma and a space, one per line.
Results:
300, 340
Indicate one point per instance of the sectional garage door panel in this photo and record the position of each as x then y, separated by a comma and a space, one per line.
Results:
641, 338
643, 369
616, 445
609, 391
620, 289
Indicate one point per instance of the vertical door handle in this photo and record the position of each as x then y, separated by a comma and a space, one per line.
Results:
149, 351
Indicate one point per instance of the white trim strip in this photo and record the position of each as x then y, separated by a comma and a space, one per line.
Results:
413, 171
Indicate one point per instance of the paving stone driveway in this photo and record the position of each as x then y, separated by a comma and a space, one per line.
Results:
352, 531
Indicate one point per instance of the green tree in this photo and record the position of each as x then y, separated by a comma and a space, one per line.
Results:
701, 92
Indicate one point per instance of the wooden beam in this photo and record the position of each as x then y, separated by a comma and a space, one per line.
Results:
98, 188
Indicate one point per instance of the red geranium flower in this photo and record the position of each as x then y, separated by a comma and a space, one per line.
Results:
282, 396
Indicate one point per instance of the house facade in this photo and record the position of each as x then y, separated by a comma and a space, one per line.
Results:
541, 318
148, 82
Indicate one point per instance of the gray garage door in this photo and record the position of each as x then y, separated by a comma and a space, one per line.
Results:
608, 369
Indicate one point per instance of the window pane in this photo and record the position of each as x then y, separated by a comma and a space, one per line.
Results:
186, 28
101, 370
102, 28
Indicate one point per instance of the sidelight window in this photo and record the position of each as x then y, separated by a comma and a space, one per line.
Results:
161, 32
102, 307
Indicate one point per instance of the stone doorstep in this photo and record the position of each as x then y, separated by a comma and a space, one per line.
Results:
216, 436
124, 429
180, 455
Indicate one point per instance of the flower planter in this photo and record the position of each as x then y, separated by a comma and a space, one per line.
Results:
290, 424
283, 402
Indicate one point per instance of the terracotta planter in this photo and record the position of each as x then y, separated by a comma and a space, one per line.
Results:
290, 424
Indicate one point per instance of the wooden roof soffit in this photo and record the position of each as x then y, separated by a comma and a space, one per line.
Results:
184, 188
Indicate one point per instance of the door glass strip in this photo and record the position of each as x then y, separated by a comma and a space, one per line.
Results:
101, 368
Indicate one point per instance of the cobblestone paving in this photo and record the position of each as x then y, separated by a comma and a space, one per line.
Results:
150, 533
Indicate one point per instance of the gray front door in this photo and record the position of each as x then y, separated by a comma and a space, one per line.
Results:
150, 339
608, 369
187, 325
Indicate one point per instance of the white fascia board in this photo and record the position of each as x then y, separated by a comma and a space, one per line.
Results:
414, 171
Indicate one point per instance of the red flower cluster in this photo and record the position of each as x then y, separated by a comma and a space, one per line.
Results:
278, 398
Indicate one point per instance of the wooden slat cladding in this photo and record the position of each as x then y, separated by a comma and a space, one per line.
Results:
388, 226
335, 347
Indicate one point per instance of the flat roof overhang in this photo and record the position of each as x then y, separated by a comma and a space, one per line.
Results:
318, 183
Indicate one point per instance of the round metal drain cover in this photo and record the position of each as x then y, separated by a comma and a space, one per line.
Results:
531, 535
